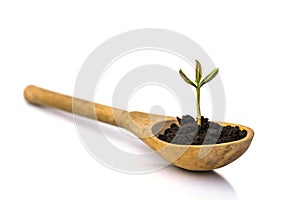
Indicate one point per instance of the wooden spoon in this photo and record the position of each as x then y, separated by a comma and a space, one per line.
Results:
145, 126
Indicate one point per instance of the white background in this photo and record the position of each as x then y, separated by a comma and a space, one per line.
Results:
255, 44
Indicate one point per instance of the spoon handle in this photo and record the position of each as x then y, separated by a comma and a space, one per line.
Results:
40, 96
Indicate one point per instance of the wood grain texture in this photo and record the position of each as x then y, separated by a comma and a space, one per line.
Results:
145, 126
43, 97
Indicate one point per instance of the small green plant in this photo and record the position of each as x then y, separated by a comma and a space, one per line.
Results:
198, 84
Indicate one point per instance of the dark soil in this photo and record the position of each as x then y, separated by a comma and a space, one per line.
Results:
208, 133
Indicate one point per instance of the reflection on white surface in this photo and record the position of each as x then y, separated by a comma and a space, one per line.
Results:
199, 185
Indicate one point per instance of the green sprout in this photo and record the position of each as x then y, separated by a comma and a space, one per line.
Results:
198, 84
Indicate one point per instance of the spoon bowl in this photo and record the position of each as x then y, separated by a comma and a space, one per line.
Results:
146, 126
191, 157
205, 157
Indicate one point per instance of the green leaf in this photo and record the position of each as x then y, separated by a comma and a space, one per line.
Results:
186, 79
210, 76
198, 72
